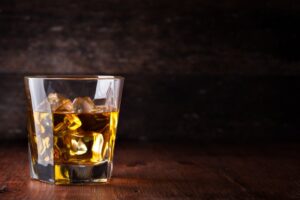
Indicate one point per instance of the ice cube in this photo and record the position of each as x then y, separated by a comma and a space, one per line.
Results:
54, 98
78, 147
72, 121
60, 127
72, 142
83, 105
70, 124
65, 106
100, 109
59, 103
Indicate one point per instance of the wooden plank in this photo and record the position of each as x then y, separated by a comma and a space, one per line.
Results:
170, 171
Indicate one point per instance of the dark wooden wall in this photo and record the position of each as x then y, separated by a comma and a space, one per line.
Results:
199, 70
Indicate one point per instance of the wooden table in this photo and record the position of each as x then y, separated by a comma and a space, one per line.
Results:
170, 171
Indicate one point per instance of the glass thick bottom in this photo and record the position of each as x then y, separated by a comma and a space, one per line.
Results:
65, 174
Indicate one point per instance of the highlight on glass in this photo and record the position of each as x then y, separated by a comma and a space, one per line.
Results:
72, 125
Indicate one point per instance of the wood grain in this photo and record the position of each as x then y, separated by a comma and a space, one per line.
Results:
170, 171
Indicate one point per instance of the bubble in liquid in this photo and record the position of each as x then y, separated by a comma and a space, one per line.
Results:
73, 121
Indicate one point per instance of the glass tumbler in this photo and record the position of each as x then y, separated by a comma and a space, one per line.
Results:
72, 124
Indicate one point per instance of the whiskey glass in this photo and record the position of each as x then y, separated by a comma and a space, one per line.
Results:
72, 125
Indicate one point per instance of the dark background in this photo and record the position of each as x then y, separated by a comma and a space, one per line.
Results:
198, 70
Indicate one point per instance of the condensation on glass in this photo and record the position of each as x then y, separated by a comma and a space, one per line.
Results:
72, 124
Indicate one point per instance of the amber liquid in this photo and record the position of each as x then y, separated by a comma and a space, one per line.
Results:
58, 139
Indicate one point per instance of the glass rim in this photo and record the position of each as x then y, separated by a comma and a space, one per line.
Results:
74, 77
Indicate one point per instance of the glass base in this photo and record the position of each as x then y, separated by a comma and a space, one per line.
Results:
64, 174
